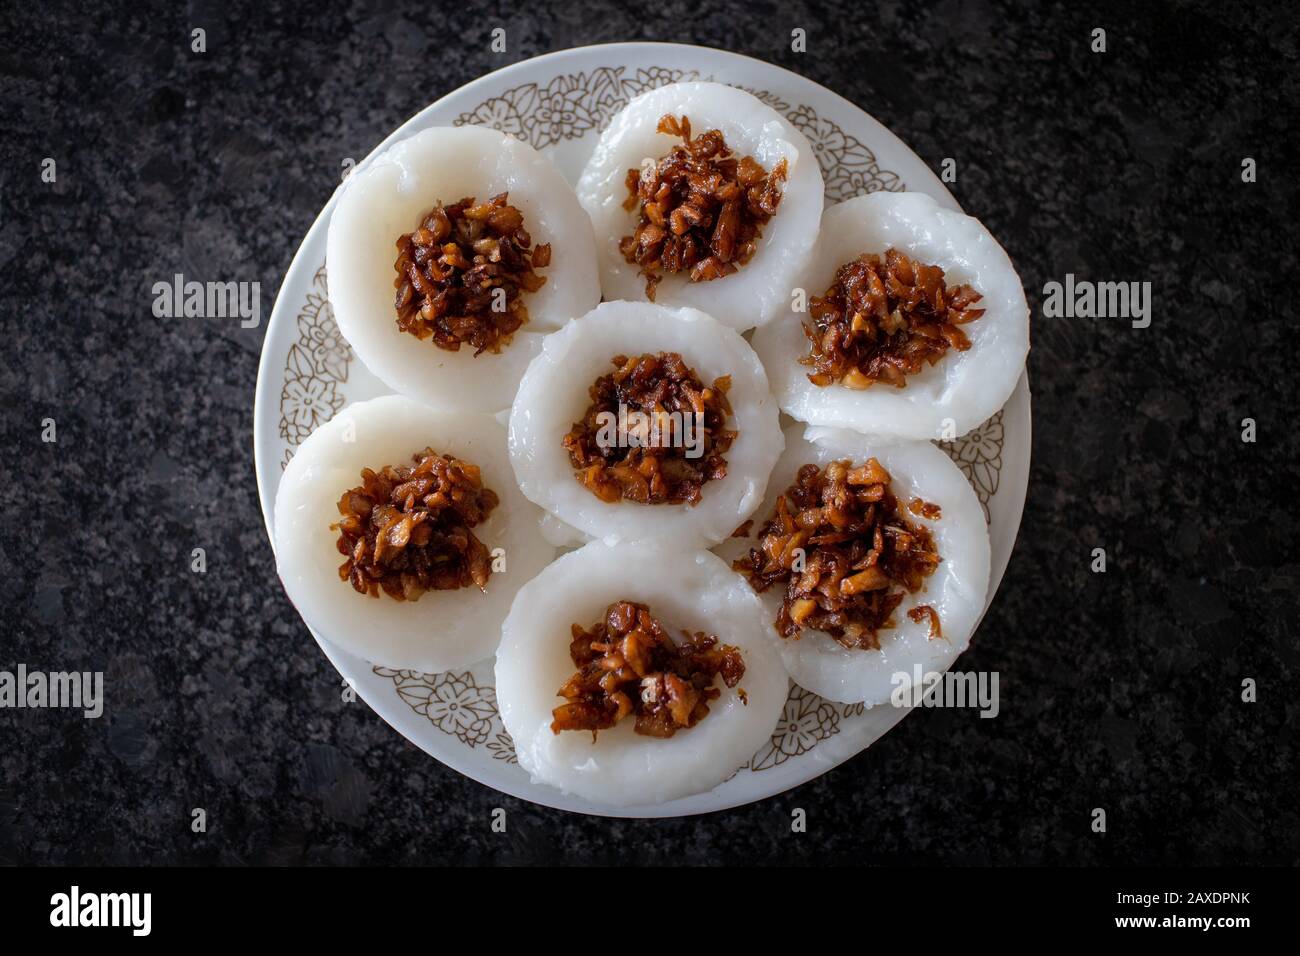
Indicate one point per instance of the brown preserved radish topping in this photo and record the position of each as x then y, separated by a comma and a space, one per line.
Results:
702, 209
675, 438
883, 320
450, 268
845, 552
923, 612
406, 529
924, 509
628, 665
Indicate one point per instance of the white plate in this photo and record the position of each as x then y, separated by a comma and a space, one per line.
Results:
559, 103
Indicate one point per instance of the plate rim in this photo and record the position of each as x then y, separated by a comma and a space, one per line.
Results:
395, 716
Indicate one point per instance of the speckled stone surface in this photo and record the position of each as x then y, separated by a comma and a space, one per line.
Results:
1119, 690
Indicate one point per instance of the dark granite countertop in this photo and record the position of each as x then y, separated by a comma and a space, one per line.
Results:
1120, 690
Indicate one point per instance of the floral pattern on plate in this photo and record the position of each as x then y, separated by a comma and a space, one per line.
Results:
314, 370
